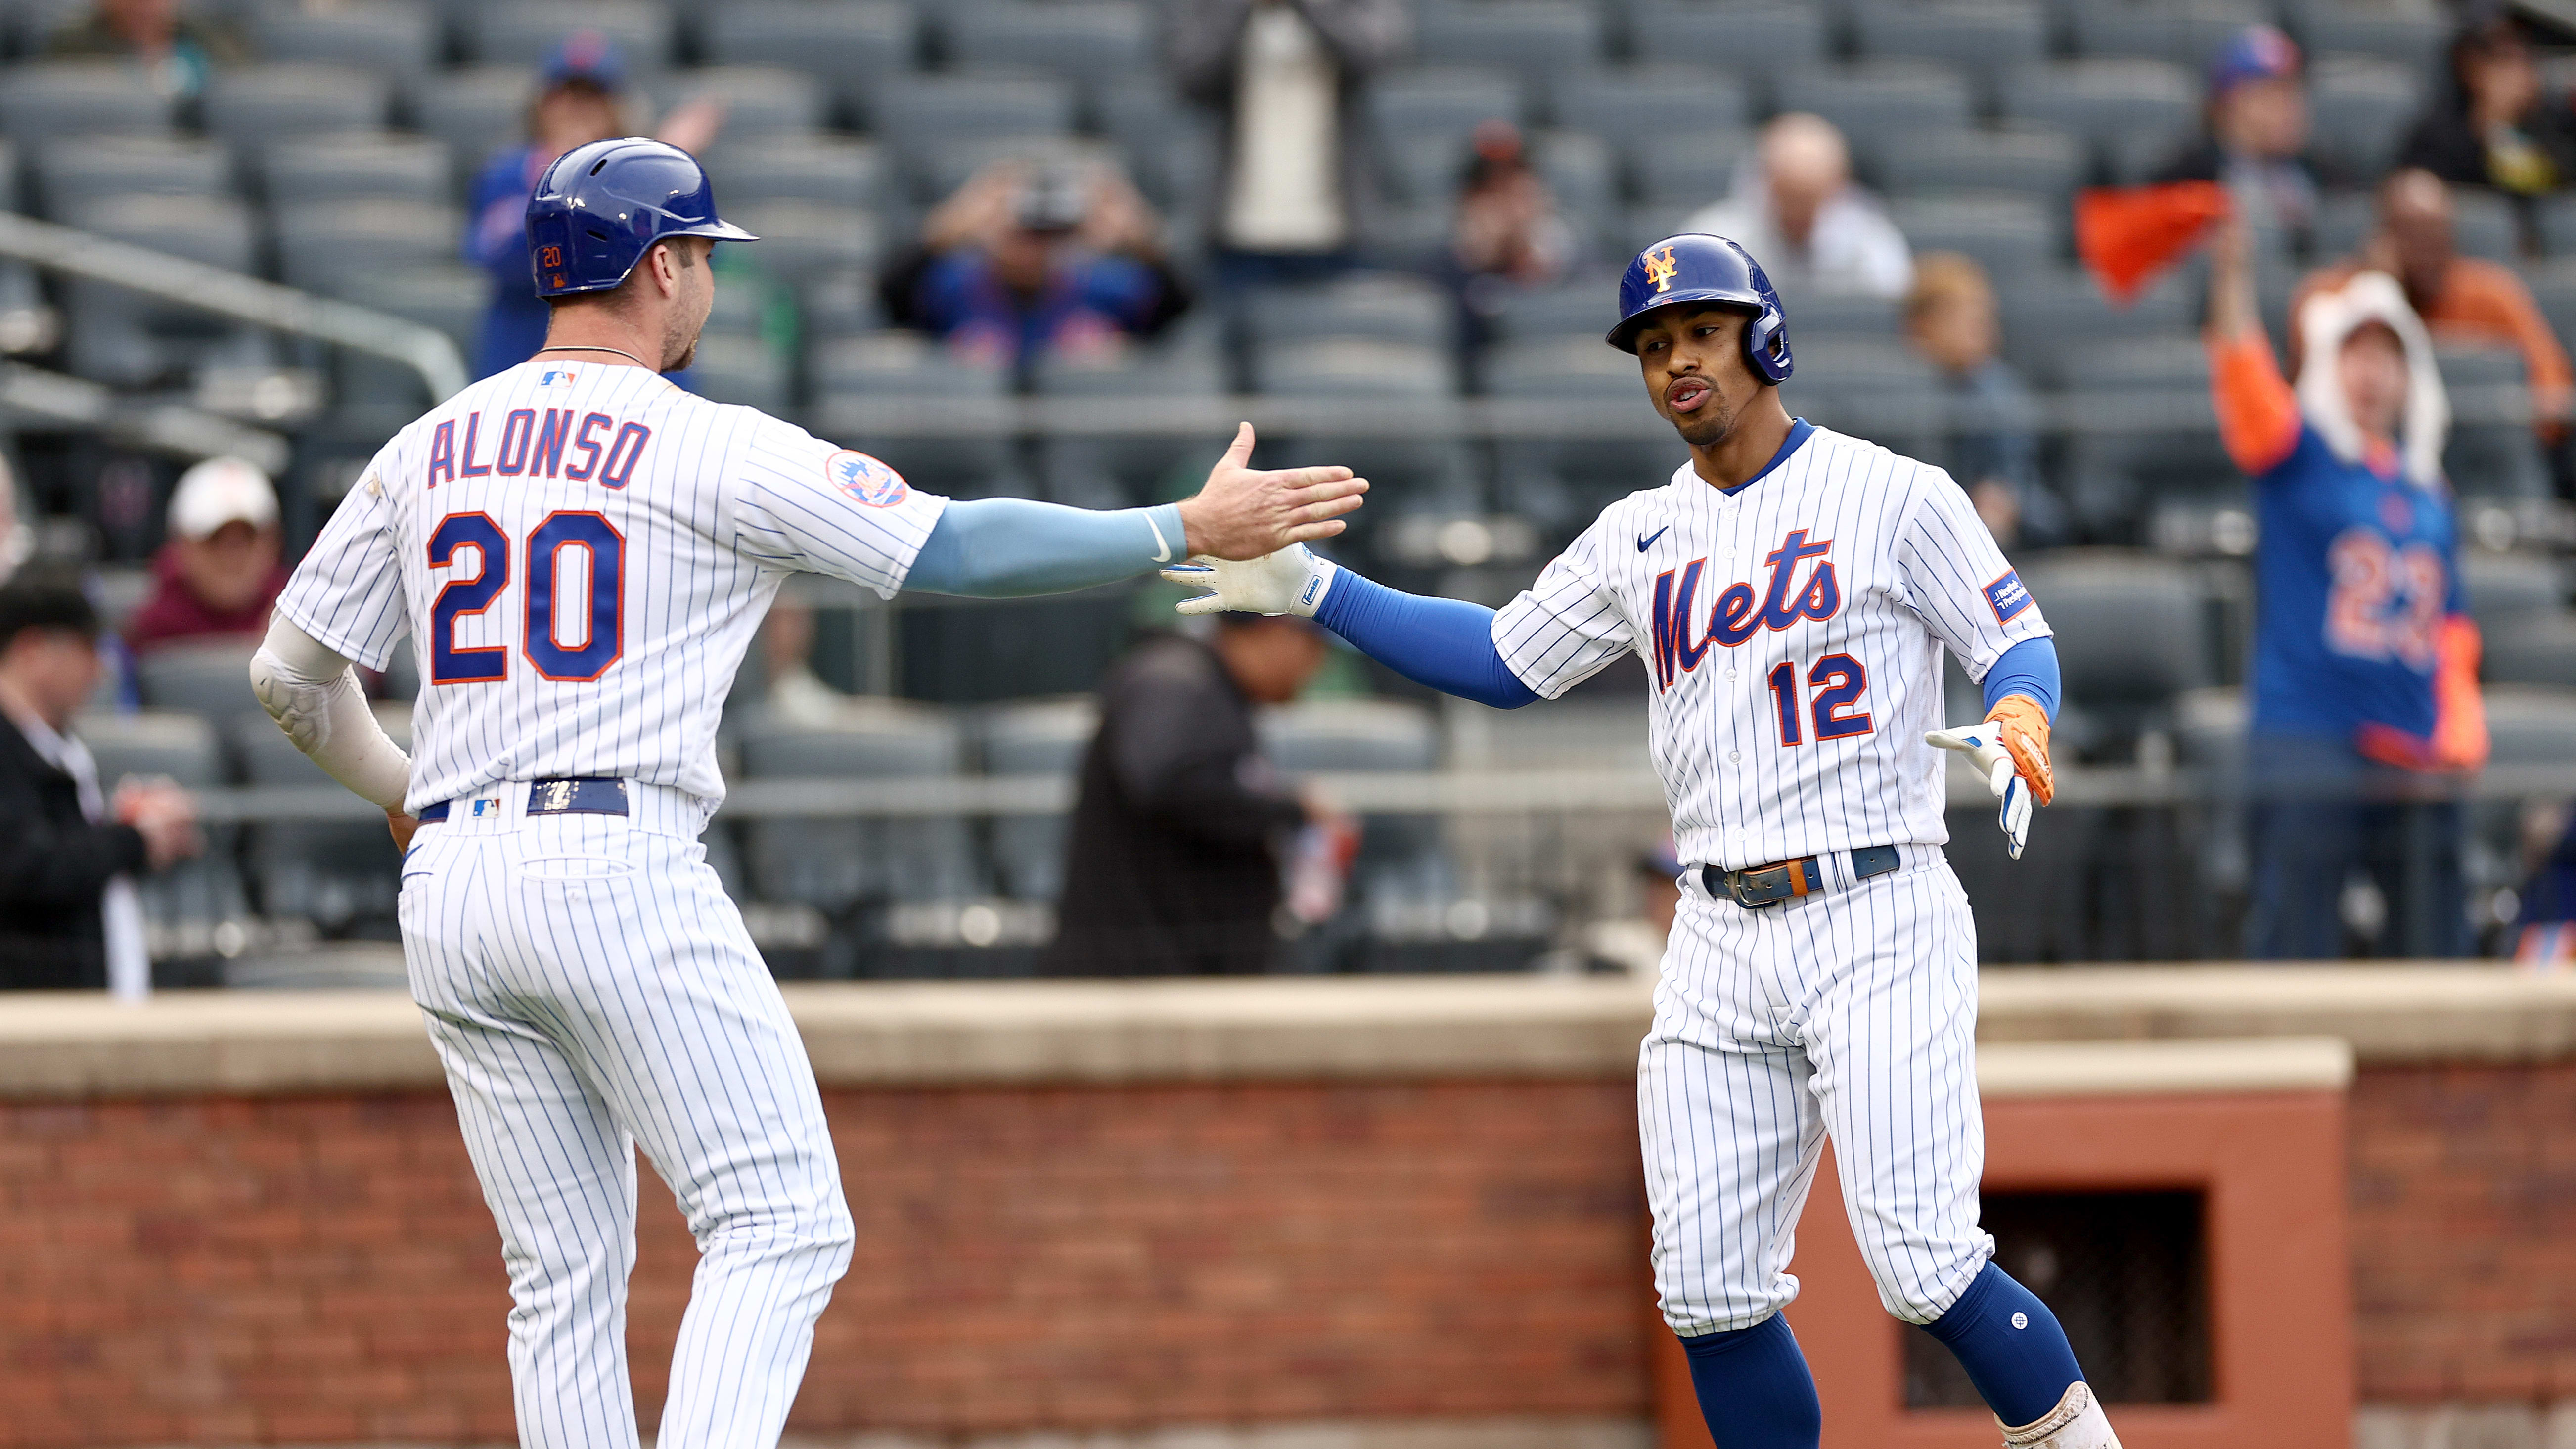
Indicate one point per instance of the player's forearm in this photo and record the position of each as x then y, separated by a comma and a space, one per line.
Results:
1004, 548
2028, 668
1447, 644
314, 697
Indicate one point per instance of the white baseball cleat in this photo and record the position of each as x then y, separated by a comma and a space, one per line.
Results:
2076, 1423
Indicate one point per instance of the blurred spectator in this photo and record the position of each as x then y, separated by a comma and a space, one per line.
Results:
220, 571
1287, 78
2255, 133
1028, 259
797, 696
17, 536
1509, 235
580, 99
2461, 299
2544, 932
1172, 863
2364, 680
2490, 124
180, 50
69, 915
1796, 209
1994, 444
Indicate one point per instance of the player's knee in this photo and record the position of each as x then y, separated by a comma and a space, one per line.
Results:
1919, 1291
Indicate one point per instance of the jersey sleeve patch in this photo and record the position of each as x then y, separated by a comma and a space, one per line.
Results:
2007, 597
865, 479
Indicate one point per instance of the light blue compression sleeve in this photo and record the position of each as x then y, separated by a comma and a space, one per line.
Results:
2029, 667
1005, 548
1447, 644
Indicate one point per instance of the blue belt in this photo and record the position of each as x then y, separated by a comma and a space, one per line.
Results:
575, 796
1768, 885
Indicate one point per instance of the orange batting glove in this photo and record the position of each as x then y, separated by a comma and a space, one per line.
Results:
2023, 729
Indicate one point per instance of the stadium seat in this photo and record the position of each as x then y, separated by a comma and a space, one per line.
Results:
2154, 436
942, 167
1441, 103
185, 749
124, 337
2505, 587
1682, 179
75, 172
1851, 316
397, 39
763, 103
1982, 38
1872, 100
2057, 314
826, 170
476, 110
2184, 32
1878, 389
2553, 286
1400, 855
2532, 649
1561, 483
250, 106
1582, 306
364, 163
2532, 724
743, 370
79, 98
333, 874
1170, 144
1536, 39
525, 32
1045, 738
1757, 40
2133, 632
2361, 109
911, 112
2408, 34
2122, 107
2045, 162
849, 45
1411, 475
1091, 471
801, 241
838, 865
2482, 224
451, 298
2487, 457
341, 250
1093, 43
1632, 106
2011, 236
852, 373
210, 679
1388, 306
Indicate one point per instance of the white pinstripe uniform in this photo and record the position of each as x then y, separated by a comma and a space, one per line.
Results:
1795, 671
581, 554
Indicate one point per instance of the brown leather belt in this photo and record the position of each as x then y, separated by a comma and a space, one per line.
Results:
1769, 885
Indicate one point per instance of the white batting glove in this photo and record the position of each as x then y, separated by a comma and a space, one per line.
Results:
1293, 580
1982, 743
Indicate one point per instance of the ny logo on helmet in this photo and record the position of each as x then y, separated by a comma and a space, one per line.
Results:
1660, 268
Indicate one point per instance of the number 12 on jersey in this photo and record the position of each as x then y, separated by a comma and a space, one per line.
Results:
1839, 681
601, 626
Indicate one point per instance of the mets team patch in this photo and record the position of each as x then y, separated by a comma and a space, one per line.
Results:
866, 479
2007, 597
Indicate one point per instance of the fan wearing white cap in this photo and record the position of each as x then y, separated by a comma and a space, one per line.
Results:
220, 570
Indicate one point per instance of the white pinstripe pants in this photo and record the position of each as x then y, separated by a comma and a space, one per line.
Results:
589, 987
1851, 1014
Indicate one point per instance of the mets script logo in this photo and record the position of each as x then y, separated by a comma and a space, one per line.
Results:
1660, 268
1735, 617
865, 479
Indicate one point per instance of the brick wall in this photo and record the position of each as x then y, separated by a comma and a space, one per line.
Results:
2463, 1222
323, 1268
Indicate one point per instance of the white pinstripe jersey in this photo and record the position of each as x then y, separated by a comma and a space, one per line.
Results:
580, 554
1792, 635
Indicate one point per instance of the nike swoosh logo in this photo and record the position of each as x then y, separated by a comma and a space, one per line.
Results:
1648, 541
1162, 548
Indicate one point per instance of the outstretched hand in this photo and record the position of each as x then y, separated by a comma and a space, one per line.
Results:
1245, 512
1292, 581
1983, 744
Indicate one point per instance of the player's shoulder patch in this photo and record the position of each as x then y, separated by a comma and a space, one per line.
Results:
865, 479
2007, 597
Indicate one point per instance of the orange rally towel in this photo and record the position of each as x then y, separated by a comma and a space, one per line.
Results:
2127, 235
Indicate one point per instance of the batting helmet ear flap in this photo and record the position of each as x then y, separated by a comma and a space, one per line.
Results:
1766, 346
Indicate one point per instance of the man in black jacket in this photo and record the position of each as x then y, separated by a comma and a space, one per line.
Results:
1170, 865
68, 852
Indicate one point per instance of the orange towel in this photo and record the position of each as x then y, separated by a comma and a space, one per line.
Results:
2128, 235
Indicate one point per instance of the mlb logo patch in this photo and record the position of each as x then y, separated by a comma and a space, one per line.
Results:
556, 377
486, 806
2007, 597
865, 479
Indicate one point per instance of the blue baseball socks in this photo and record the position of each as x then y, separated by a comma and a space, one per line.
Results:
2011, 1346
1754, 1388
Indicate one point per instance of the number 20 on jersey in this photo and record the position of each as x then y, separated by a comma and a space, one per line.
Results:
566, 639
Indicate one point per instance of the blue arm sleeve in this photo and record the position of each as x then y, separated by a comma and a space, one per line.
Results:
2030, 668
1447, 644
1005, 548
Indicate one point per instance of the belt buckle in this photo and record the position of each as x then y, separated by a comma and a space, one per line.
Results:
1787, 880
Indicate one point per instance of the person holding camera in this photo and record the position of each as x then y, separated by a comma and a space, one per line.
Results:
1029, 258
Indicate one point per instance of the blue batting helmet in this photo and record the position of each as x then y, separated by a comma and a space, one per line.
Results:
600, 207
1710, 271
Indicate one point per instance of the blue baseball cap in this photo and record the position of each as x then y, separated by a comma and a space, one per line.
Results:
586, 55
2258, 52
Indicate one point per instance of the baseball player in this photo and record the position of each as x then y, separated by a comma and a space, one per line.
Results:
1790, 590
580, 552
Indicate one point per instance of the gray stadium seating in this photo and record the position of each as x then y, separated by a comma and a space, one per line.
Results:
2133, 632
801, 241
1632, 106
1116, 472
2122, 106
1983, 38
332, 874
2185, 32
2531, 724
1758, 40
1684, 178
67, 98
252, 105
2361, 109
341, 250
1582, 306
1875, 389
2483, 224
2030, 158
2010, 236
1410, 475
393, 38
1535, 38
743, 370
1094, 43
1562, 483
2532, 649
123, 337
76, 172
183, 747
884, 366
828, 170
356, 163
763, 103
524, 32
837, 865
849, 44
943, 166
1042, 737
476, 110
209, 679
2058, 313
910, 112
1170, 145
2408, 34
1400, 855
2505, 587
1442, 103
1874, 99
1388, 306
2489, 459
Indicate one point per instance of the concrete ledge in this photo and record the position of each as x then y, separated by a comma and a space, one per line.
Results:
2159, 1068
2469, 1012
